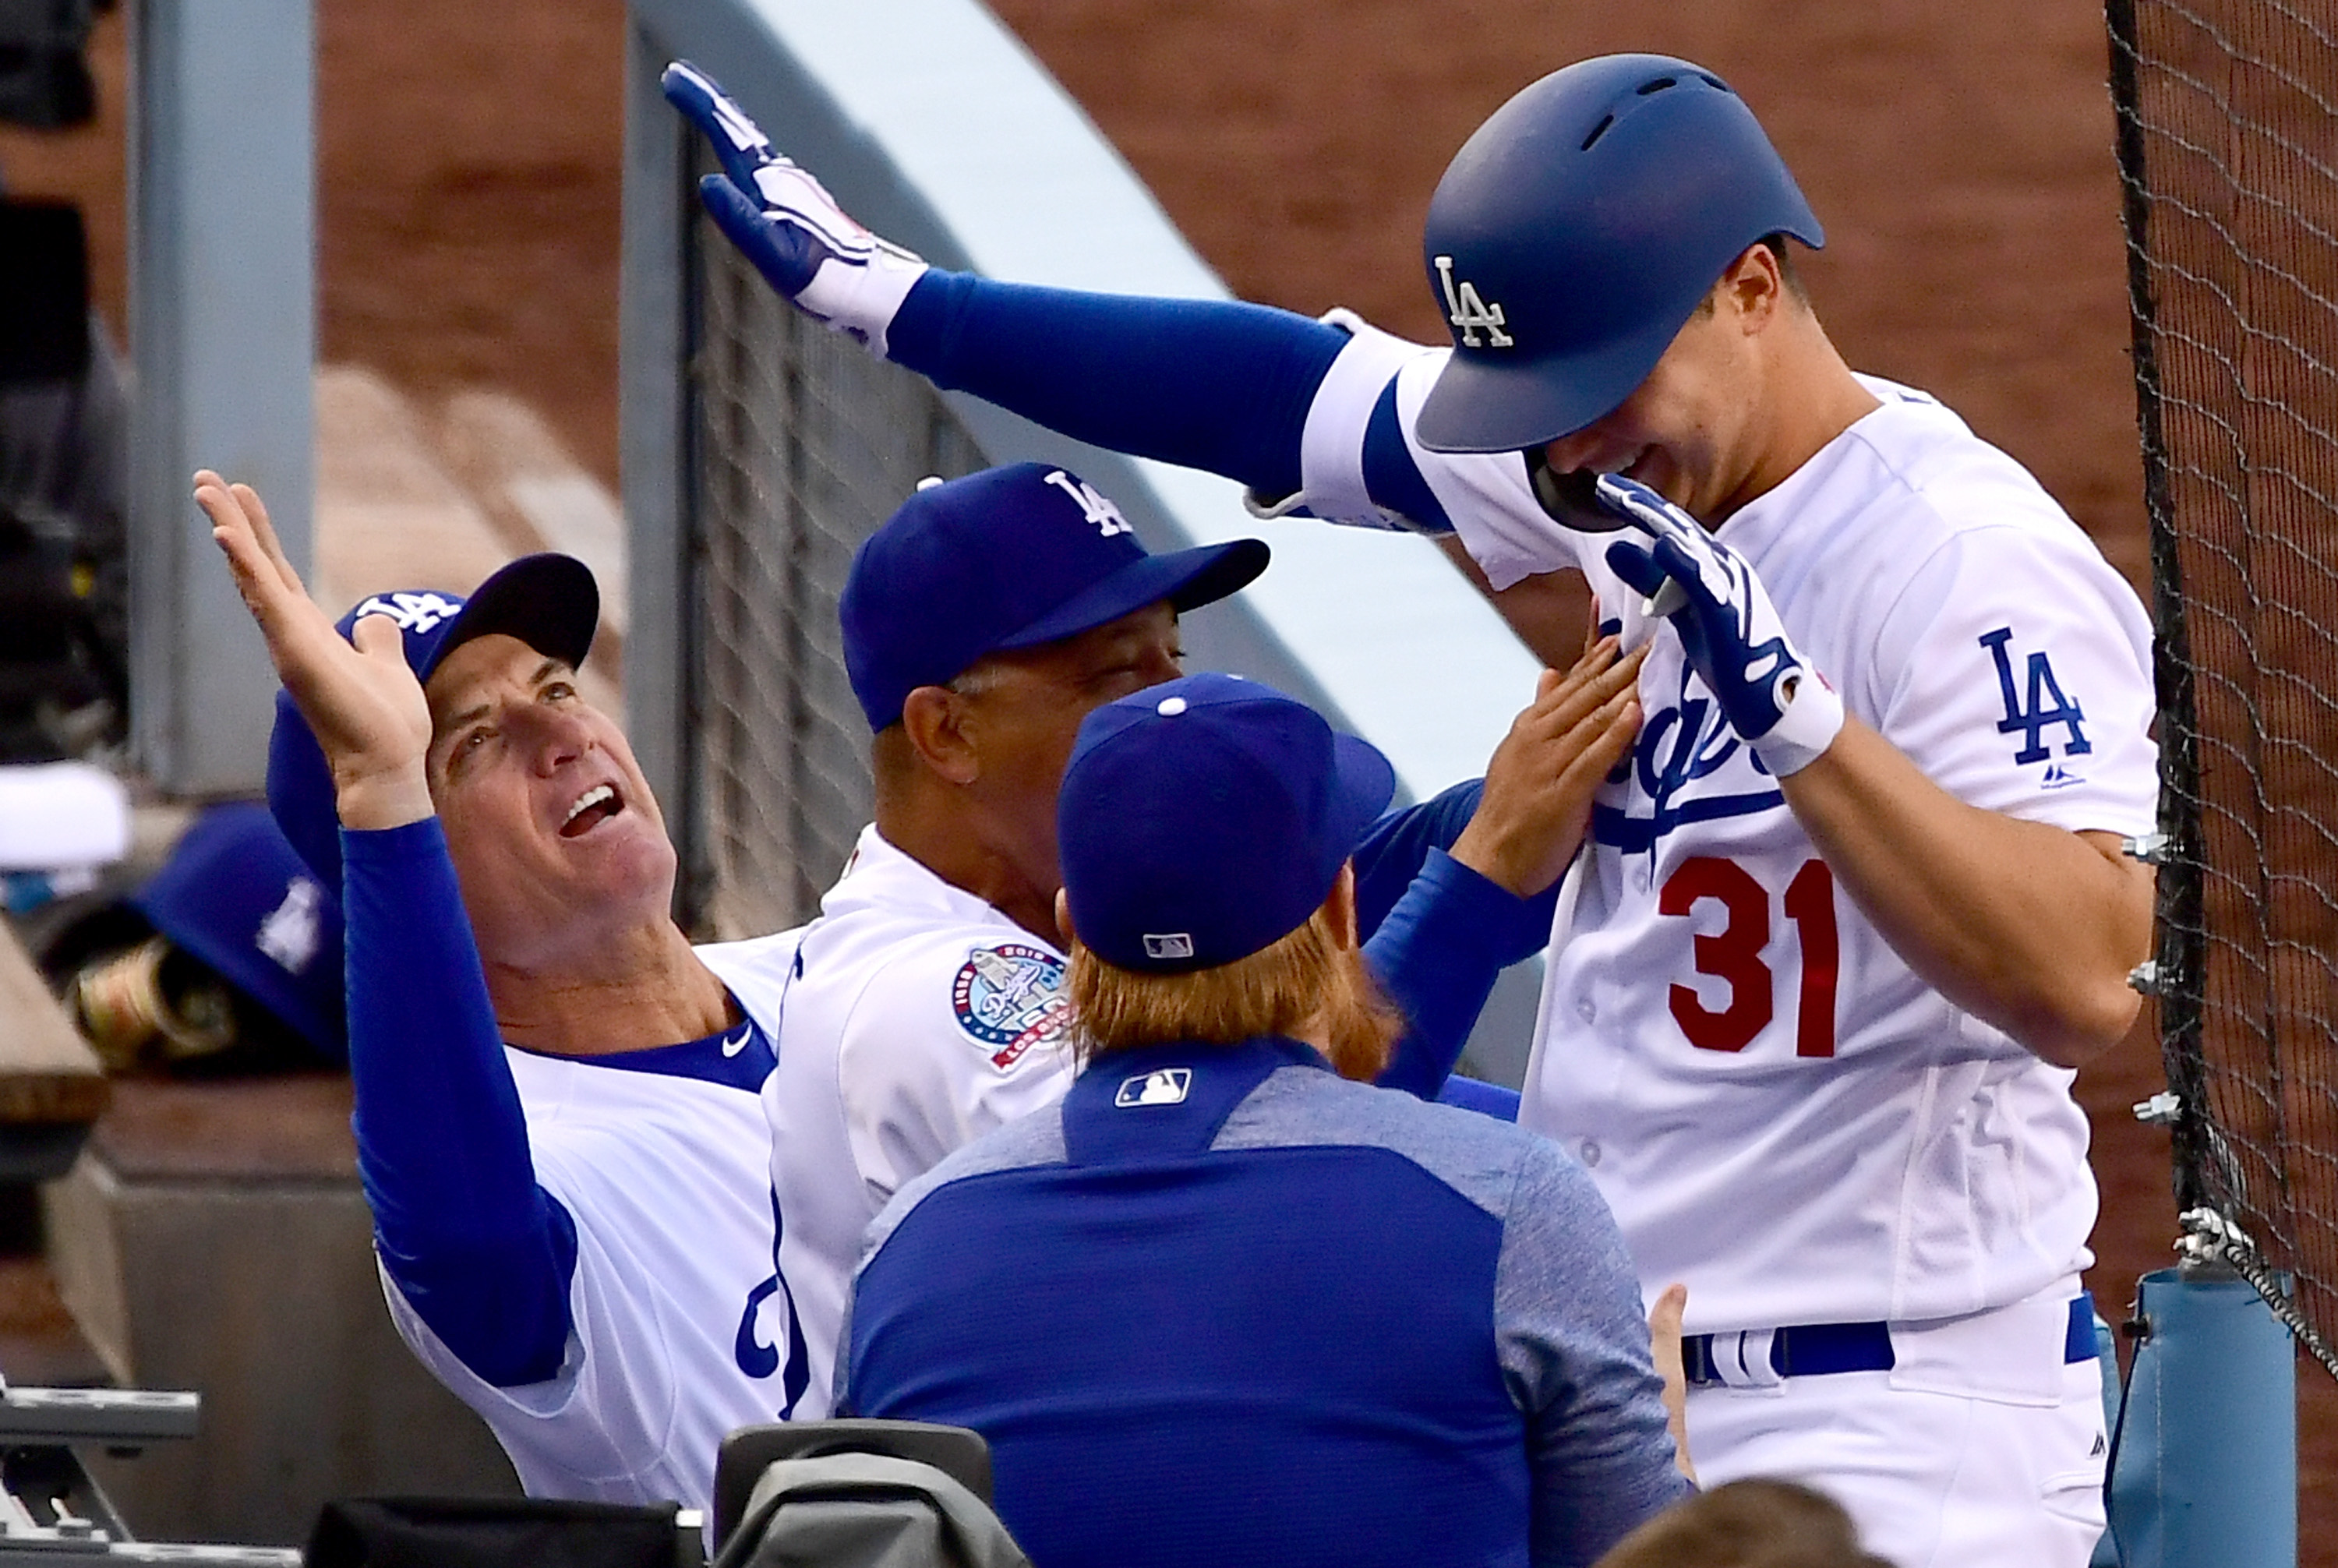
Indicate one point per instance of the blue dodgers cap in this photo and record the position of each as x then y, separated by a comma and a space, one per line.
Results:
548, 601
1010, 557
1205, 819
235, 896
1576, 232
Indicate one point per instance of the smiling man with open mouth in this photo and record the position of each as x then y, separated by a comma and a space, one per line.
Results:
556, 1106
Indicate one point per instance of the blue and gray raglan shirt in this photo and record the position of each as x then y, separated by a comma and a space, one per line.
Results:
1223, 1306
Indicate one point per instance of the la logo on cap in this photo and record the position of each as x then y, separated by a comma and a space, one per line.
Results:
1162, 1086
416, 613
1173, 944
1092, 504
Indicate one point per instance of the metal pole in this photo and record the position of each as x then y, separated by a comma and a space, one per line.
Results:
654, 351
223, 332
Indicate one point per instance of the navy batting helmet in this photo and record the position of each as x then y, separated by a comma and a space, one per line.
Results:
1577, 230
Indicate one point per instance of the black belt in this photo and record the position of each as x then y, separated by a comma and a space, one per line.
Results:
1814, 1349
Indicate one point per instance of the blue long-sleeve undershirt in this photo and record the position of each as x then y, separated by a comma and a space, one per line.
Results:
1209, 384
1213, 385
1437, 933
481, 1253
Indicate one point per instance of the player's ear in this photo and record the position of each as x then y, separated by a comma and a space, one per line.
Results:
1754, 287
933, 721
1064, 918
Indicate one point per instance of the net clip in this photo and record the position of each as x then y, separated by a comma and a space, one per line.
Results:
2145, 977
2151, 848
2161, 1109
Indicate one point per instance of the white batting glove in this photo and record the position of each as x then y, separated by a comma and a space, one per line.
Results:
786, 223
1770, 693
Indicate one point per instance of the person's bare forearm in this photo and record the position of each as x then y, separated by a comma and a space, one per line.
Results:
1550, 611
2030, 927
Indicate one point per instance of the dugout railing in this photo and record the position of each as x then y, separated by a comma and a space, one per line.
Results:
758, 450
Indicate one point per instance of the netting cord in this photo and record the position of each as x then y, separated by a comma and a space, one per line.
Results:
2180, 970
2211, 1238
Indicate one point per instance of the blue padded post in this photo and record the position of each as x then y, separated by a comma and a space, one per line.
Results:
2207, 1472
2114, 1395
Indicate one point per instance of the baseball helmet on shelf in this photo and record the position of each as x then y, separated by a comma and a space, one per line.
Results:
1576, 231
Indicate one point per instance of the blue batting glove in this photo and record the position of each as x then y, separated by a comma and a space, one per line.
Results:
1768, 690
786, 223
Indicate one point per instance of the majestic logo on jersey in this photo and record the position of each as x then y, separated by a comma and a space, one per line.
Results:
1467, 311
412, 612
1093, 503
1010, 998
1163, 1086
291, 933
2048, 709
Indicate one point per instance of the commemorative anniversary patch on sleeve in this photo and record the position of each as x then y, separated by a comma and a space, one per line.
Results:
1009, 998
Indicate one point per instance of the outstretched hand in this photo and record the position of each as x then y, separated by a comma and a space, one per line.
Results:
1539, 781
783, 220
367, 708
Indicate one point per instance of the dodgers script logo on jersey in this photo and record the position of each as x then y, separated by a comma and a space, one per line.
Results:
1685, 742
1010, 996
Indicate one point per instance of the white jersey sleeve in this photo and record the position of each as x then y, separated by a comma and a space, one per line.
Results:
600, 1429
1485, 495
2015, 667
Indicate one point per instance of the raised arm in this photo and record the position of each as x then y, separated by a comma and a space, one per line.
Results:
1213, 385
366, 707
479, 1250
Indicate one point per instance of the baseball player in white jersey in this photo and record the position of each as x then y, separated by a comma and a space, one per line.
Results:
557, 1098
924, 1018
1857, 905
1781, 1112
682, 1330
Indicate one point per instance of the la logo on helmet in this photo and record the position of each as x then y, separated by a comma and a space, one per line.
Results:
1468, 311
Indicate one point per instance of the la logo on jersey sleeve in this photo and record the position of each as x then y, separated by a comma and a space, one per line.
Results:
2035, 708
1009, 998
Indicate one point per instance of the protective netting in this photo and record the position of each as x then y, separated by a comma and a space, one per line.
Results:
801, 444
2228, 148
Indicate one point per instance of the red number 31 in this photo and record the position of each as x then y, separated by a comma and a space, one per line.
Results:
1734, 953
